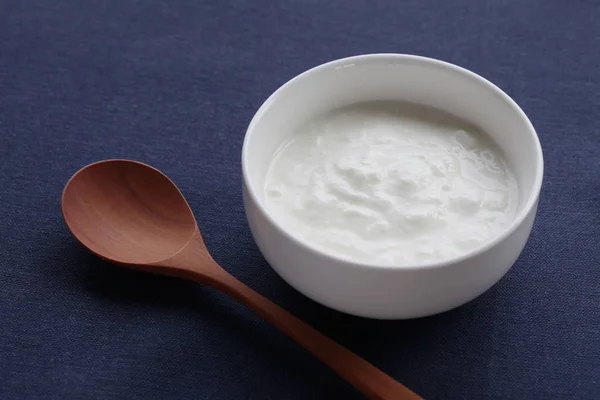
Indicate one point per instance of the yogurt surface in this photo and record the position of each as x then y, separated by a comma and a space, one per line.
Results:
390, 184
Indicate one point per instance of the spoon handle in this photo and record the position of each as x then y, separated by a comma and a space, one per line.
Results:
369, 380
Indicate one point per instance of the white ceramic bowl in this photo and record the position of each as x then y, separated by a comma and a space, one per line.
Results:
382, 291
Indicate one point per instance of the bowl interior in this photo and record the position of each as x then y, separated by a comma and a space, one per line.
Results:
398, 78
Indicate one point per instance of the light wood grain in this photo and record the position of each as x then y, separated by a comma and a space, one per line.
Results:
130, 213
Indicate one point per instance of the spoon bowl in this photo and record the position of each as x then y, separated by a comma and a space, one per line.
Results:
133, 214
127, 212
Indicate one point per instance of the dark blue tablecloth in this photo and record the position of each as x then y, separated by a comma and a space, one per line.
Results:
174, 83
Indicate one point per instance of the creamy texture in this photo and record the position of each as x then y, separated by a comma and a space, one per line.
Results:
392, 184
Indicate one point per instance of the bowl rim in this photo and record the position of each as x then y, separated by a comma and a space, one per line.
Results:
387, 57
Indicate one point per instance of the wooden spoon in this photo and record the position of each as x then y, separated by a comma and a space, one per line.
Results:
131, 213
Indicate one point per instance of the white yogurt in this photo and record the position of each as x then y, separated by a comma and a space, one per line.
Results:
391, 184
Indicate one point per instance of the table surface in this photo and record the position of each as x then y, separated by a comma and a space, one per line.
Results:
174, 83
